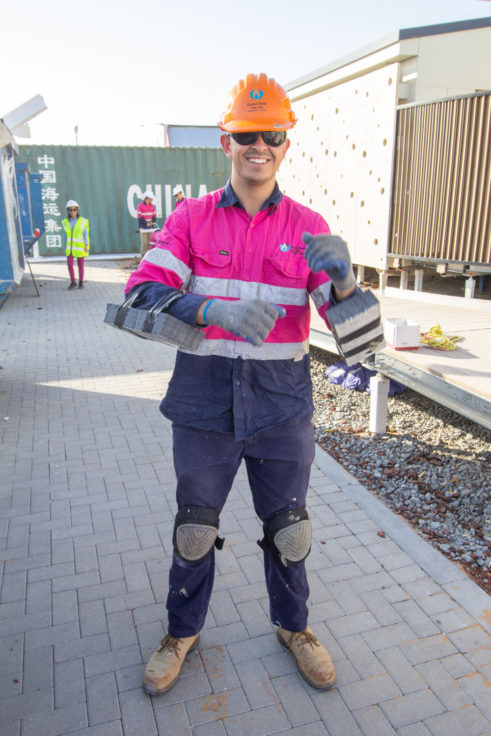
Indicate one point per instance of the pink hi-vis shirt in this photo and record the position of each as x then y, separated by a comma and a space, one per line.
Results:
212, 248
147, 211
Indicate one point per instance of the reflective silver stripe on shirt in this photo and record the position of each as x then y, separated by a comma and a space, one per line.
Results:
322, 294
238, 349
166, 259
248, 290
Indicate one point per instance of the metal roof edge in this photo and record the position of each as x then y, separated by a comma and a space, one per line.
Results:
344, 61
401, 35
455, 27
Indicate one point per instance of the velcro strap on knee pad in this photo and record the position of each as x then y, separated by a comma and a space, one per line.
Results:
289, 535
195, 532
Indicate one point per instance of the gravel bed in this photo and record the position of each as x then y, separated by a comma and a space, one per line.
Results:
431, 467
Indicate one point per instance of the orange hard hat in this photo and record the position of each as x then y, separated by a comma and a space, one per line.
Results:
257, 103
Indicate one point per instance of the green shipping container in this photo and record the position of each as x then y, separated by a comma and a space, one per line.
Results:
108, 181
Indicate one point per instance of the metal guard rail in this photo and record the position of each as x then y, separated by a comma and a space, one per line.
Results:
463, 402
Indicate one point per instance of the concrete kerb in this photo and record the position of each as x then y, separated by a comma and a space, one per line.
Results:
453, 580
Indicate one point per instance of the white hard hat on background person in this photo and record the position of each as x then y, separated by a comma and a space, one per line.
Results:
71, 203
177, 189
148, 194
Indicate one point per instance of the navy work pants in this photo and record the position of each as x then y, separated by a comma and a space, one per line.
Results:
278, 462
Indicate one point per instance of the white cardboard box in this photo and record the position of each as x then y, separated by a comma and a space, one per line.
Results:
401, 334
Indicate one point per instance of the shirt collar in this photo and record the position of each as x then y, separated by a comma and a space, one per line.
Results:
230, 199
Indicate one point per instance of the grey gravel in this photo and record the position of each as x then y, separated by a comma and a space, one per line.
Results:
431, 467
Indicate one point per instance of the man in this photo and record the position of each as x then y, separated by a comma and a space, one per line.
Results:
243, 262
178, 194
147, 216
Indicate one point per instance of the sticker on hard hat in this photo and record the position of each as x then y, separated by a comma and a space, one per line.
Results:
256, 106
256, 94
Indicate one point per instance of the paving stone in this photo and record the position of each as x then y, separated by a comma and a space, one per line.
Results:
261, 721
215, 728
21, 706
102, 699
295, 699
38, 668
457, 665
470, 638
414, 729
173, 719
137, 713
352, 624
335, 715
217, 706
256, 683
81, 647
406, 677
96, 664
419, 622
373, 722
443, 685
361, 656
69, 683
219, 668
431, 647
52, 635
477, 688
223, 608
453, 620
370, 691
377, 603
55, 723
468, 720
122, 632
407, 709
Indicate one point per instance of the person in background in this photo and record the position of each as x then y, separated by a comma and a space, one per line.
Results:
178, 194
77, 242
243, 263
147, 216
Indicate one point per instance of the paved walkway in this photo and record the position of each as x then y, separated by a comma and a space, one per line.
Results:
87, 506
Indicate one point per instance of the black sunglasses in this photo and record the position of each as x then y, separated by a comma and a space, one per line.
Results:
272, 138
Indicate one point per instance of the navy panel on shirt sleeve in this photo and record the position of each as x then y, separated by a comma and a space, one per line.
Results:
184, 308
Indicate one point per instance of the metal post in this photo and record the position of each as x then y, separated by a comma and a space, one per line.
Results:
379, 392
418, 279
404, 282
32, 275
382, 281
360, 274
470, 287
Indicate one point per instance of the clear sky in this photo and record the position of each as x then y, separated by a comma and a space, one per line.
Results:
116, 69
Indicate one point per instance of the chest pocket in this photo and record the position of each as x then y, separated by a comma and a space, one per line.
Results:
210, 262
292, 266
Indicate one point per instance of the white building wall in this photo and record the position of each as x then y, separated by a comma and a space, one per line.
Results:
340, 160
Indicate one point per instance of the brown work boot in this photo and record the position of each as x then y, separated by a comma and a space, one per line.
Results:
164, 666
313, 659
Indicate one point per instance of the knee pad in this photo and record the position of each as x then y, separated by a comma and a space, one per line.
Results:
195, 532
289, 536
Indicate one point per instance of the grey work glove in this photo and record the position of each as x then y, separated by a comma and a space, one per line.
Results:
252, 319
330, 253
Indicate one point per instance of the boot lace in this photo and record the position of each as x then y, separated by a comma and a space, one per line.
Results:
304, 639
171, 644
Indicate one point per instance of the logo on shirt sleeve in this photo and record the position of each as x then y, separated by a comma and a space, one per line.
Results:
284, 247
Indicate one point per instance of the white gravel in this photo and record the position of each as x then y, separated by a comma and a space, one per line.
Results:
431, 467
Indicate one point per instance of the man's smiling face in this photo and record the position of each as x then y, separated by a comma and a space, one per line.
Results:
257, 163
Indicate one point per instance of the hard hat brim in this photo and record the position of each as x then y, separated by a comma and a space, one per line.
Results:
242, 126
